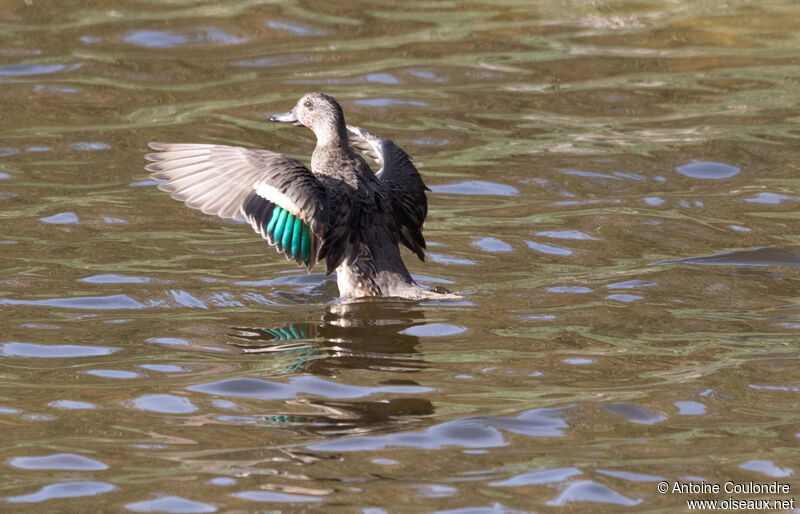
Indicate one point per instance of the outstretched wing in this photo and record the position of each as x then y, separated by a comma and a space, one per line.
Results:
278, 196
405, 185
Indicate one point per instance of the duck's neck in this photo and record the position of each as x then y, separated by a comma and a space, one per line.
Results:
332, 133
333, 155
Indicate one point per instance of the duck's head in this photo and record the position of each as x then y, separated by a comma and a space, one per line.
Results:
317, 111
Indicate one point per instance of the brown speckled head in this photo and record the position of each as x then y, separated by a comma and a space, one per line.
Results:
318, 109
322, 114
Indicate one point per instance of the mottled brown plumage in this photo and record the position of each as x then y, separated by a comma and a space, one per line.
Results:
355, 217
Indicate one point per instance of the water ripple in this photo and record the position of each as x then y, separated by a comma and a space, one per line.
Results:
52, 351
58, 461
475, 187
263, 389
71, 405
273, 497
173, 504
173, 39
63, 490
478, 432
164, 403
636, 413
117, 301
34, 69
708, 170
538, 477
588, 491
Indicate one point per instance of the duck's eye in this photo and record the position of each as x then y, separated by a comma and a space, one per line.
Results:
308, 104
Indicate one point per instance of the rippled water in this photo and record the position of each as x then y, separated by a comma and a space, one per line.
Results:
615, 193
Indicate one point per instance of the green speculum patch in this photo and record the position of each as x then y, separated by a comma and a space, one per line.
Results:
290, 233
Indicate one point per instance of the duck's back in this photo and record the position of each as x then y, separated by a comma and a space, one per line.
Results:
364, 230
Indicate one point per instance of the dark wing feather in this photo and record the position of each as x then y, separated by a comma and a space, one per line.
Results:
248, 185
404, 183
344, 226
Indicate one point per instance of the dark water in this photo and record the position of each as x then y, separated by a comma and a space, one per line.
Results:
615, 192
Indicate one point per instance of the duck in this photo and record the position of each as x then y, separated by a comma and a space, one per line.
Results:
339, 212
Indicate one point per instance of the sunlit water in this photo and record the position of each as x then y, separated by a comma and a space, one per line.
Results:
614, 191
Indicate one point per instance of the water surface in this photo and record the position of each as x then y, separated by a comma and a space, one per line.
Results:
614, 191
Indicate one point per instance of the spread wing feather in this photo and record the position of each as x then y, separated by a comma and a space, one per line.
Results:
280, 198
404, 183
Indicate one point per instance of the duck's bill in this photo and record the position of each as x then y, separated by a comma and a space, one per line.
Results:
287, 117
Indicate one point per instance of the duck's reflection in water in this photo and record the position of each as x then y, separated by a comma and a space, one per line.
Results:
365, 334
301, 388
341, 418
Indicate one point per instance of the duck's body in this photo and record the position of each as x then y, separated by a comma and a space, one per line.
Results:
339, 212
